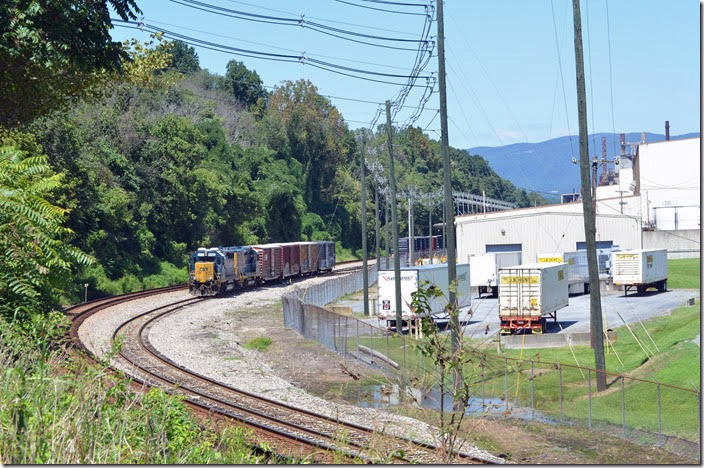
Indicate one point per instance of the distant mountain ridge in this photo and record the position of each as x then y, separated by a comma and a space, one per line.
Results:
547, 166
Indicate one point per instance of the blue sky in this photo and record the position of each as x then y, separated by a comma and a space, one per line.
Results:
504, 80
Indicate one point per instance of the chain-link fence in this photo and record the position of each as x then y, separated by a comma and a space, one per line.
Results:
639, 410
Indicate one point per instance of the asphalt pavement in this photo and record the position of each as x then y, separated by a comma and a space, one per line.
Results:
616, 307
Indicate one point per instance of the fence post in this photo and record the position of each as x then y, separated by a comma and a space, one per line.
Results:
532, 392
346, 332
357, 336
506, 381
559, 368
659, 417
481, 363
589, 385
404, 361
371, 345
623, 404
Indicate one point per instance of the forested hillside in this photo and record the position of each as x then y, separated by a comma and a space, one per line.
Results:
176, 158
167, 157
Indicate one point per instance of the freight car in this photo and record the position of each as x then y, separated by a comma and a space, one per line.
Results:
217, 270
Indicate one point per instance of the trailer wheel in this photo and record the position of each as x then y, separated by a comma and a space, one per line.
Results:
662, 285
543, 324
640, 289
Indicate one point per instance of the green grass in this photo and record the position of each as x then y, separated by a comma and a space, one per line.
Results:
676, 363
683, 273
260, 343
58, 409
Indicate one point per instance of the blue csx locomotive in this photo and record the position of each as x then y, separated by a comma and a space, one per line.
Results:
220, 269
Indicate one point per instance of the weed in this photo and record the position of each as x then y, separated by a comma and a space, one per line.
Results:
260, 343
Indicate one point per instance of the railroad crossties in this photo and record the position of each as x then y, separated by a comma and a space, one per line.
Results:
203, 335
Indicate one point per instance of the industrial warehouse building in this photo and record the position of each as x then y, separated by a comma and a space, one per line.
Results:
653, 201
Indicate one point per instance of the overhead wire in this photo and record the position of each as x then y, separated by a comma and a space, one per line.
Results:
301, 21
327, 20
611, 83
486, 75
559, 61
591, 86
324, 65
277, 47
379, 9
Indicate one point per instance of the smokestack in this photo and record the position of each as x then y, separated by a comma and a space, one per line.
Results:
667, 130
623, 143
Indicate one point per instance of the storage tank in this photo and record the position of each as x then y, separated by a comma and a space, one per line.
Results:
640, 269
411, 278
530, 293
484, 270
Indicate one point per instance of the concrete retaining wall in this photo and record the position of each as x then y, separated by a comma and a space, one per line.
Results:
683, 243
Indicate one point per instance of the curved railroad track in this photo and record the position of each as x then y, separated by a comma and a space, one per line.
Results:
290, 431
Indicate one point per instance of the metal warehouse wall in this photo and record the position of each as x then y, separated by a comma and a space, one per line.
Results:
684, 243
541, 232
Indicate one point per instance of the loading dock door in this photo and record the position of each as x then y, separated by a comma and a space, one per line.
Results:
599, 245
490, 248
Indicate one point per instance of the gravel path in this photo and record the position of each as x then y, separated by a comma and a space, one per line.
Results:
202, 338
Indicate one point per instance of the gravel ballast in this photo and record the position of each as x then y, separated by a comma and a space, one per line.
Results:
201, 338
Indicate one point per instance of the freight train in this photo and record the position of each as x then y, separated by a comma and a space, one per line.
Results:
217, 270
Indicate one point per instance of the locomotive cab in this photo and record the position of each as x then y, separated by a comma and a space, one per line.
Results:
205, 275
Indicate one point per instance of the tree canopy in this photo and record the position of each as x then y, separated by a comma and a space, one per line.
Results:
54, 50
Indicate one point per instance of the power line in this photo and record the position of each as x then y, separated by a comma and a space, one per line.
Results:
559, 61
276, 47
611, 83
327, 20
301, 21
486, 75
380, 9
387, 2
328, 66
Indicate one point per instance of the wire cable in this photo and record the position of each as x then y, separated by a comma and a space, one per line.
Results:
380, 9
328, 66
611, 83
559, 61
302, 22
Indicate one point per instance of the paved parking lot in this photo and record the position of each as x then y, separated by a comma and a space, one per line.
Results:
575, 317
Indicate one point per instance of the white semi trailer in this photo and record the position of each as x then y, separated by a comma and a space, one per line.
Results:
529, 294
640, 269
484, 270
411, 278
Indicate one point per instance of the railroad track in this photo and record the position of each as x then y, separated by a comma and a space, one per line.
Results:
292, 431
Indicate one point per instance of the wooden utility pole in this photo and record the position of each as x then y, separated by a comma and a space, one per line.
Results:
394, 221
365, 272
449, 211
387, 244
597, 329
376, 224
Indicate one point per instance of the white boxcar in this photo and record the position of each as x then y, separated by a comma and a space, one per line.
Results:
640, 269
484, 270
411, 278
530, 293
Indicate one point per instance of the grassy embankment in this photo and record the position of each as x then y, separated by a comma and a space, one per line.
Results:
665, 354
62, 409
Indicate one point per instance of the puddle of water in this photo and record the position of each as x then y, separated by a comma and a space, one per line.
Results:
382, 396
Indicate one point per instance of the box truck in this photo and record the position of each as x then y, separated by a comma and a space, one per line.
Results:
411, 278
484, 270
640, 269
529, 294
